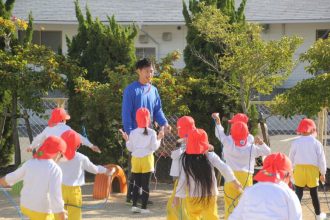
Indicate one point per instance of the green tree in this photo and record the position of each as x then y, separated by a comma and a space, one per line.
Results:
27, 73
105, 54
248, 65
309, 96
206, 94
98, 46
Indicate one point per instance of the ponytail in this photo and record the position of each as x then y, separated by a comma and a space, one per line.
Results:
145, 131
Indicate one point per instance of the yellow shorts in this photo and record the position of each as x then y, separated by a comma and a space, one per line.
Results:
36, 215
143, 164
72, 196
178, 212
232, 195
202, 211
306, 175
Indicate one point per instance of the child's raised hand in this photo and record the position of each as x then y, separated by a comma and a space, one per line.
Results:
124, 134
161, 134
258, 141
216, 117
211, 148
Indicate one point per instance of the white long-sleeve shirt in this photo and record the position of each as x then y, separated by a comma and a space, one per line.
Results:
175, 156
142, 145
216, 162
57, 131
41, 190
240, 158
266, 200
74, 170
308, 150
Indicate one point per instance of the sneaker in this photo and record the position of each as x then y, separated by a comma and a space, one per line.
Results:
321, 216
145, 211
136, 209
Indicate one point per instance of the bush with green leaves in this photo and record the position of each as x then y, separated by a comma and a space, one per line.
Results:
309, 96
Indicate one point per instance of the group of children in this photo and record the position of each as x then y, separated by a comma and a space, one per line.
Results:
273, 197
52, 179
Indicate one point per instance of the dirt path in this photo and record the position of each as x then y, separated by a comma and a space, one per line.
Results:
117, 208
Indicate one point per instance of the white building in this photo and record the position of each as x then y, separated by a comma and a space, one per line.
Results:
162, 26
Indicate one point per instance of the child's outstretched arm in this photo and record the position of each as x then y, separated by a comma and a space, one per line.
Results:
220, 131
129, 144
14, 177
261, 148
156, 140
92, 168
87, 143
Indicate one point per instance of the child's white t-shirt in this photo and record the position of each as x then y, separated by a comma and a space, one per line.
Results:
142, 145
216, 162
240, 158
41, 190
307, 150
74, 170
266, 200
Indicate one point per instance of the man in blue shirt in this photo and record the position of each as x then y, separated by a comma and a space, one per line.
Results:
142, 93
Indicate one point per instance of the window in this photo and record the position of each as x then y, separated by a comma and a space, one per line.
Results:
145, 52
323, 33
51, 39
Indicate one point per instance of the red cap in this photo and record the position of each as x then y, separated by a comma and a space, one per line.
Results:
239, 132
197, 142
72, 140
307, 126
143, 117
58, 115
275, 167
239, 117
49, 149
184, 125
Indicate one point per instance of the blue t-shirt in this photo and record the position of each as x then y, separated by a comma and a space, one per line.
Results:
137, 95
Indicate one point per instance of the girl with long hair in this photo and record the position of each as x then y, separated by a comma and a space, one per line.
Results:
197, 182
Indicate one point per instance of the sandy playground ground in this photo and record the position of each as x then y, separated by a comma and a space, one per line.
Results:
116, 208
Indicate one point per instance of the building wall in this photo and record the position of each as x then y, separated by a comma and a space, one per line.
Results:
178, 42
308, 33
155, 40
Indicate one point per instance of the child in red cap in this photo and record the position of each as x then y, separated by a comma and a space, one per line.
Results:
41, 195
239, 154
308, 159
142, 142
56, 126
73, 169
271, 198
185, 124
197, 182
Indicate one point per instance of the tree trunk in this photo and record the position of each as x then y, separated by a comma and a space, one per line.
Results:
27, 125
242, 95
15, 131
